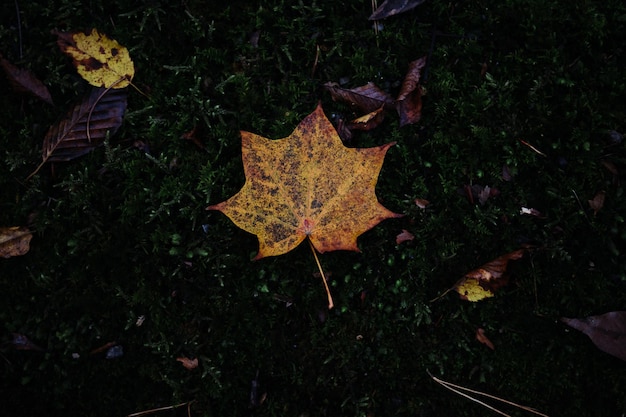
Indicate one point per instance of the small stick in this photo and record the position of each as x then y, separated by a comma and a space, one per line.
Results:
532, 147
330, 298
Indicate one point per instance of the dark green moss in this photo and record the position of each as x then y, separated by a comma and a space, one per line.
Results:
122, 233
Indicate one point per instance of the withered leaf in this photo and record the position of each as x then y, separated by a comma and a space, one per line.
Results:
409, 100
367, 98
85, 127
597, 202
369, 121
482, 338
404, 236
188, 363
14, 241
394, 7
483, 282
24, 81
21, 342
606, 331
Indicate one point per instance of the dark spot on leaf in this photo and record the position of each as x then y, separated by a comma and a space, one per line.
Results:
114, 51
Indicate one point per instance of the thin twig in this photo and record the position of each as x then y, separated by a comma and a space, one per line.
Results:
19, 26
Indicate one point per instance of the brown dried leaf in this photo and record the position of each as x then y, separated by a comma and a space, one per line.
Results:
97, 115
483, 282
597, 202
482, 338
606, 331
367, 98
188, 363
421, 203
404, 236
14, 241
24, 81
21, 342
409, 100
394, 7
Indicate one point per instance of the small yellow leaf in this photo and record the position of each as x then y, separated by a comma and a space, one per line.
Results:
14, 241
101, 61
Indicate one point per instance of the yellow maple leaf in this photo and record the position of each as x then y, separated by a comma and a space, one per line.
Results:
101, 61
307, 185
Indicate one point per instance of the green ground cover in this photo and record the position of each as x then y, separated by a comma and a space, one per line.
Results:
122, 233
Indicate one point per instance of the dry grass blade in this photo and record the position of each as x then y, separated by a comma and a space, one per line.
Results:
462, 392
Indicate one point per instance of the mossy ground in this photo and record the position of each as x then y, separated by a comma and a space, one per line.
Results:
121, 234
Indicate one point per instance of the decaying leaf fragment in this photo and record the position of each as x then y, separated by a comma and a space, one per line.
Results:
85, 127
393, 7
101, 61
307, 185
14, 241
367, 98
607, 331
374, 101
409, 100
188, 363
24, 81
482, 338
597, 202
483, 282
404, 236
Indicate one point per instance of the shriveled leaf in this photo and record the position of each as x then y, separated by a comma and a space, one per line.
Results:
307, 185
421, 203
483, 282
101, 61
606, 331
409, 100
367, 98
188, 363
21, 342
482, 338
14, 241
531, 212
597, 202
394, 7
369, 121
404, 236
24, 81
85, 126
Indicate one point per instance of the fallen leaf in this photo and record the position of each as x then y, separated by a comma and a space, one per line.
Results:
24, 81
188, 363
307, 185
21, 342
421, 203
394, 7
482, 338
367, 98
404, 236
101, 61
532, 212
483, 282
597, 202
369, 121
192, 136
14, 241
409, 100
88, 123
606, 331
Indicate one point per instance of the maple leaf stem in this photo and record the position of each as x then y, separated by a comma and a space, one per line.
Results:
317, 261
